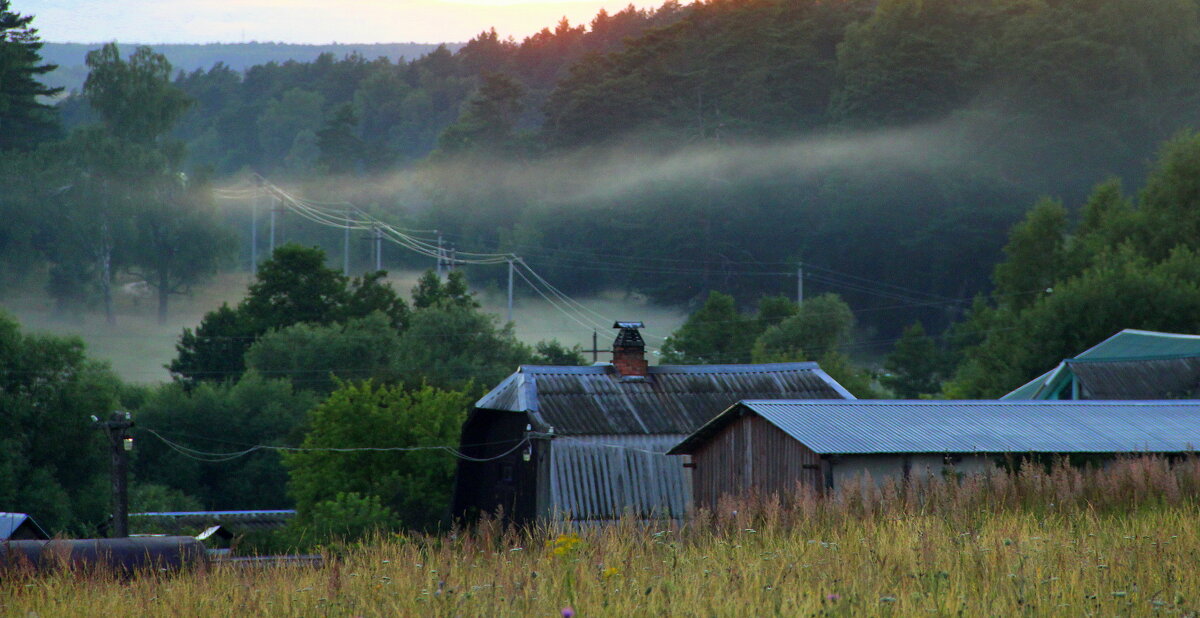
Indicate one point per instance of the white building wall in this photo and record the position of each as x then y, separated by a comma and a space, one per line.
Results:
880, 467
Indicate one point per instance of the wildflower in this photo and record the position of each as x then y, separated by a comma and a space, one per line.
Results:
565, 544
832, 597
567, 612
610, 572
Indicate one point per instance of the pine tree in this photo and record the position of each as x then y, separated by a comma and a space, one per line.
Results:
24, 118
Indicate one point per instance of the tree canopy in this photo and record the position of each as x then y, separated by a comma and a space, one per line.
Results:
1123, 264
54, 463
413, 486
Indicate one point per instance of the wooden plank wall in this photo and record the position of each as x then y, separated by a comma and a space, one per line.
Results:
751, 454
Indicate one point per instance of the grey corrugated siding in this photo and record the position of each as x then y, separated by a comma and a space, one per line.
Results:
671, 400
607, 476
985, 426
1175, 378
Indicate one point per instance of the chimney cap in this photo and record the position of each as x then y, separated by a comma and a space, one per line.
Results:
628, 325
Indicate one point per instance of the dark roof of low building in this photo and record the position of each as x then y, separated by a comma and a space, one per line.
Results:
931, 426
233, 520
11, 522
671, 399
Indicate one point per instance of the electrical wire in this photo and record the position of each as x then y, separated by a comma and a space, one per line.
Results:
211, 457
324, 214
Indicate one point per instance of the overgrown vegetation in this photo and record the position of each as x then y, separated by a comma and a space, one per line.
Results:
1063, 542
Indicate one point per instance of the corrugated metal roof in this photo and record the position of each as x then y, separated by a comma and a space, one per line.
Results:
852, 427
672, 399
1031, 389
1133, 343
276, 514
1127, 345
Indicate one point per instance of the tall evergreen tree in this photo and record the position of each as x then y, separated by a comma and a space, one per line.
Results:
24, 117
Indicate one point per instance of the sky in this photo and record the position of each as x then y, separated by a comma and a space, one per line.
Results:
302, 21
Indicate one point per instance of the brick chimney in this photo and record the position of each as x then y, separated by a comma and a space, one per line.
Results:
629, 350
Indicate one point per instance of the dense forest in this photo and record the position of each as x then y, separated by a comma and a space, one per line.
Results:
887, 146
879, 143
71, 71
974, 189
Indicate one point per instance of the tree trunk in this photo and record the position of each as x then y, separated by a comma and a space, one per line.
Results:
106, 274
164, 293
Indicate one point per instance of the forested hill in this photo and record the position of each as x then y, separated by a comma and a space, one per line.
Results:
72, 72
888, 145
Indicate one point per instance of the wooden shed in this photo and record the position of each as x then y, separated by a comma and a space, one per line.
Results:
781, 446
590, 442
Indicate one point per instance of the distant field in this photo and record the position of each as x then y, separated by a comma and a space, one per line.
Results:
138, 347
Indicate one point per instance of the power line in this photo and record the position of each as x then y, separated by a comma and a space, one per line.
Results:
321, 213
316, 213
211, 457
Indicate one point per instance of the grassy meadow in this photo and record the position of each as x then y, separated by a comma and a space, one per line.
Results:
138, 346
1121, 542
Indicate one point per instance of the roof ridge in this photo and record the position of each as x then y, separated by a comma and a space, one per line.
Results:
1126, 359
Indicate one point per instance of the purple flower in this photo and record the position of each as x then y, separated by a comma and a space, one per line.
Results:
568, 612
833, 596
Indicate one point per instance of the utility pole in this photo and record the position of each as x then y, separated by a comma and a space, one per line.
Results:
119, 443
510, 288
346, 246
254, 235
441, 255
595, 347
800, 283
378, 248
274, 208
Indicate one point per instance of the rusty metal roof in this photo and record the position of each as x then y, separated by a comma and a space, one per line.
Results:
671, 399
877, 426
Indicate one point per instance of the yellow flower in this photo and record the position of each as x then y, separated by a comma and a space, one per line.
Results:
564, 544
610, 572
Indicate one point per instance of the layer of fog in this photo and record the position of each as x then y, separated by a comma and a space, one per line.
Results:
606, 173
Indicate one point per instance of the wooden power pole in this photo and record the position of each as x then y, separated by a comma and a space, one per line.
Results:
116, 428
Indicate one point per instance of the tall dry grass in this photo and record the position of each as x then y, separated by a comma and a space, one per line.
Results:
1122, 541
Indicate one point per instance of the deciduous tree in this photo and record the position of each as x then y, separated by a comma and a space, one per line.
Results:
415, 485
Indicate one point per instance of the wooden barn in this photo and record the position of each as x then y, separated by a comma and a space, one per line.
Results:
778, 446
1132, 364
590, 442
